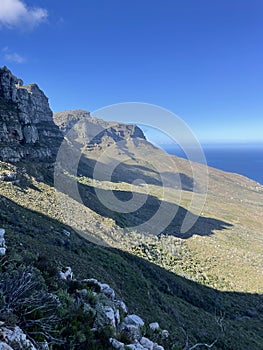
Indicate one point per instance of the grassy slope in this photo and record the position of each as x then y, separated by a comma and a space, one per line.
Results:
34, 222
225, 245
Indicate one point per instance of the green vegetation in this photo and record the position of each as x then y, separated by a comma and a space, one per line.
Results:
34, 227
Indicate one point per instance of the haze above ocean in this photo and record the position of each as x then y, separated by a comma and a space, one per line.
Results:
243, 159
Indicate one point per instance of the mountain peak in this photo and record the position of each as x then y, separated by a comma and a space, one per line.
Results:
27, 130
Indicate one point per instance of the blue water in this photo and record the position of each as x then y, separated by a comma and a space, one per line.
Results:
242, 159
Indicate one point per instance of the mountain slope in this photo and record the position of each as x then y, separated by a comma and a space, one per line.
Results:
203, 284
232, 216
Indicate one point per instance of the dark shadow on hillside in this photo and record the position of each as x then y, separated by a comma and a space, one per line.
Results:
204, 226
149, 290
129, 173
122, 173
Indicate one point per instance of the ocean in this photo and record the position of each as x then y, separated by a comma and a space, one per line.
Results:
242, 159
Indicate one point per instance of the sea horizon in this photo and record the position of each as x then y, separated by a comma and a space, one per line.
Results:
240, 158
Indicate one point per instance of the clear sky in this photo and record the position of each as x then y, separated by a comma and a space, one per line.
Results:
201, 59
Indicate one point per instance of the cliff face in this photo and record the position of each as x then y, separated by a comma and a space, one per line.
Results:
94, 131
27, 130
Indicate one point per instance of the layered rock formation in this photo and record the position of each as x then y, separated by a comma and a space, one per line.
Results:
95, 132
27, 130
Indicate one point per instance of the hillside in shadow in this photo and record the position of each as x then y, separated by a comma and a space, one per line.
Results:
157, 295
128, 173
203, 226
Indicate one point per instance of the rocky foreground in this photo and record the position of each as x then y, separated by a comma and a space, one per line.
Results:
205, 288
95, 301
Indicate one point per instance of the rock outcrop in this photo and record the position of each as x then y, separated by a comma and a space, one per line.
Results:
67, 274
110, 310
95, 132
2, 242
27, 130
14, 339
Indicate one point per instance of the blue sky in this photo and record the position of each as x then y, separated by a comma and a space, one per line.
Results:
201, 59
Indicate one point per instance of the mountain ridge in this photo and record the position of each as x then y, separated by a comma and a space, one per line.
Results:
189, 284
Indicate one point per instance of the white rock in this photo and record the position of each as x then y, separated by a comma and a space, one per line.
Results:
109, 312
2, 242
133, 332
146, 343
104, 288
134, 320
66, 233
2, 251
107, 290
61, 275
123, 306
17, 337
136, 346
83, 292
116, 344
2, 232
92, 280
154, 326
117, 317
158, 347
67, 275
165, 333
69, 272
4, 346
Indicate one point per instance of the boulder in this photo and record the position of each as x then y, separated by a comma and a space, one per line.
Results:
154, 326
116, 344
83, 292
67, 274
107, 290
136, 346
117, 317
122, 306
2, 251
2, 242
4, 346
110, 314
134, 320
165, 333
92, 281
131, 346
17, 338
103, 287
158, 347
132, 332
146, 343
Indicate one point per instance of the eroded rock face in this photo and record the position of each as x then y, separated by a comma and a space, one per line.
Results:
93, 131
27, 130
15, 339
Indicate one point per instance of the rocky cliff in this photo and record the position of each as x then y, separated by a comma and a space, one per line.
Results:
27, 130
96, 132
